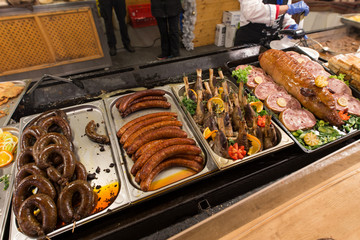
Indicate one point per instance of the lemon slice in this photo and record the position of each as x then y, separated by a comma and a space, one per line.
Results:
258, 79
281, 102
342, 101
321, 81
259, 106
255, 144
219, 104
208, 133
311, 139
5, 158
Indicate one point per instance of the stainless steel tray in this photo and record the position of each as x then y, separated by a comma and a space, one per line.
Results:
116, 122
92, 156
347, 21
5, 196
254, 62
221, 162
11, 106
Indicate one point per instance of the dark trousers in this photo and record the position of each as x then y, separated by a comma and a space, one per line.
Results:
169, 35
119, 6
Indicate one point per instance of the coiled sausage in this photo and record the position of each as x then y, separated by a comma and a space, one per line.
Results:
58, 121
50, 138
26, 170
27, 221
23, 190
30, 135
66, 210
25, 156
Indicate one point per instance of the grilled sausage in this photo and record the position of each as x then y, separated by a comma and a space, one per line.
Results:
50, 138
90, 131
160, 133
139, 133
196, 158
68, 158
145, 105
23, 190
25, 156
143, 118
27, 221
166, 143
143, 124
66, 210
165, 153
30, 135
26, 170
148, 98
174, 162
125, 104
58, 121
120, 99
146, 147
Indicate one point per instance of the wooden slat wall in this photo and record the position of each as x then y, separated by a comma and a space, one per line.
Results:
209, 13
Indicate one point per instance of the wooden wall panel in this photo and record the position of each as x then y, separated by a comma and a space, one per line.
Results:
209, 13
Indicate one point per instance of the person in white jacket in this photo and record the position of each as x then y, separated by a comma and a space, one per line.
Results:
260, 20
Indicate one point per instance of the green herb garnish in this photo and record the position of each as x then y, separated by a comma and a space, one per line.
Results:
340, 77
5, 179
190, 105
241, 74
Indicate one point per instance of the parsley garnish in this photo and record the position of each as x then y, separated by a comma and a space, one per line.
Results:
5, 179
190, 105
242, 74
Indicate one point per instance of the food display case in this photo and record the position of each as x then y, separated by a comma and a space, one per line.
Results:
164, 212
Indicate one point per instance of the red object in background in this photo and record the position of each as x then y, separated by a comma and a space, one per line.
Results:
140, 15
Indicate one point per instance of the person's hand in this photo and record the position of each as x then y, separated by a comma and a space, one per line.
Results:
298, 7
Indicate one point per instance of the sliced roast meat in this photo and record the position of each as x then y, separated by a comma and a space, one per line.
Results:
301, 58
295, 119
350, 103
279, 101
267, 88
315, 68
256, 78
338, 87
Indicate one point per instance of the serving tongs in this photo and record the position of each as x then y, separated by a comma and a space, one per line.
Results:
61, 79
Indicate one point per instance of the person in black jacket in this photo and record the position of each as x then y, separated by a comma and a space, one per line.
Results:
106, 8
167, 14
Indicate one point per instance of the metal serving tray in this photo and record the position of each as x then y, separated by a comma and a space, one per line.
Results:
12, 104
5, 195
254, 62
347, 21
116, 122
94, 156
220, 161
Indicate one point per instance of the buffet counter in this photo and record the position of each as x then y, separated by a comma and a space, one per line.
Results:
169, 211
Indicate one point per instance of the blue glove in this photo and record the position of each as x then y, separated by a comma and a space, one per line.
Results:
298, 7
294, 27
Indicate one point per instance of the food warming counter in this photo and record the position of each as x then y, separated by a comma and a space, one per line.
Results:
175, 209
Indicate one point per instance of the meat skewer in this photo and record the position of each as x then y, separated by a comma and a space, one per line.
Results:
211, 80
188, 93
207, 93
198, 83
200, 111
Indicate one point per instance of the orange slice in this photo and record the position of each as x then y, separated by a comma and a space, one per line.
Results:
321, 81
255, 144
342, 101
192, 90
311, 139
258, 105
5, 158
219, 104
207, 133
